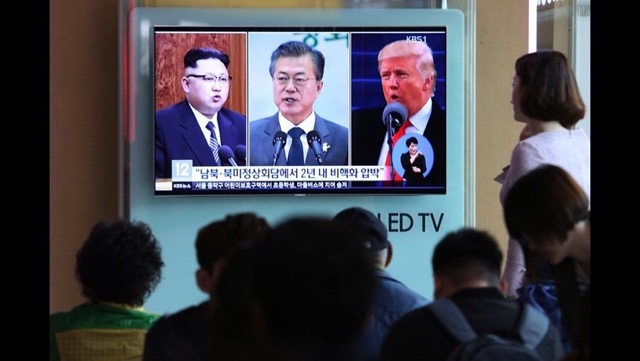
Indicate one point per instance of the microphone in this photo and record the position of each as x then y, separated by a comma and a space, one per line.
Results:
313, 138
279, 140
394, 114
240, 151
227, 154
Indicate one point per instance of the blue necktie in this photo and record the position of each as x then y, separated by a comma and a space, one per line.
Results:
295, 152
213, 143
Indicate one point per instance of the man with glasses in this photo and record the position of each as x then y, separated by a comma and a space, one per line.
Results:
296, 134
198, 126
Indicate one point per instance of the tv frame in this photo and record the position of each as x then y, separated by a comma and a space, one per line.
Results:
310, 21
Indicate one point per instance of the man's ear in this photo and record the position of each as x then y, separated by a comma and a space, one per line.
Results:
184, 82
203, 279
439, 287
389, 257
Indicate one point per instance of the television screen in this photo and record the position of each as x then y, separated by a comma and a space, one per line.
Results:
368, 103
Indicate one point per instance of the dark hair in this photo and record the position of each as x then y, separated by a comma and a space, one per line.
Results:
195, 54
548, 88
215, 240
468, 254
411, 140
544, 203
315, 282
232, 329
119, 262
294, 49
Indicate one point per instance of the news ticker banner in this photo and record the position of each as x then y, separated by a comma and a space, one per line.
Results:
186, 175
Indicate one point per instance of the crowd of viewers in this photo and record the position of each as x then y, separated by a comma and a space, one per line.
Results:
316, 288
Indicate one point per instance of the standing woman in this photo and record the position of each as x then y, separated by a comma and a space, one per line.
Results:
547, 100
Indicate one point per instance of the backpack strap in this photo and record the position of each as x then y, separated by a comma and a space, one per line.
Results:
532, 326
450, 316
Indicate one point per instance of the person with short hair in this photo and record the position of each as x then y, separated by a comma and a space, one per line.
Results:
548, 212
466, 269
393, 298
182, 336
408, 76
546, 98
297, 71
302, 293
185, 130
118, 267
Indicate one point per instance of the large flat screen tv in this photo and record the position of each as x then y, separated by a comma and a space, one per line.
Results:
349, 96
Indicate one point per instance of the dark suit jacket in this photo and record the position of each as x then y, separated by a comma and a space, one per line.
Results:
412, 177
418, 335
261, 150
178, 136
368, 131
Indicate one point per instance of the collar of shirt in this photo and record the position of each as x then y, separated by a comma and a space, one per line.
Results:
420, 119
202, 122
307, 125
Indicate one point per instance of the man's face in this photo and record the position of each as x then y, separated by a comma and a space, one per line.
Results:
295, 101
402, 82
205, 94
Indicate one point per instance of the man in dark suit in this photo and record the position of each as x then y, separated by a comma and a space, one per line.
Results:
185, 130
408, 76
466, 269
297, 71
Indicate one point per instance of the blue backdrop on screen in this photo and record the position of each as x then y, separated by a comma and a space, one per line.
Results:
366, 91
415, 222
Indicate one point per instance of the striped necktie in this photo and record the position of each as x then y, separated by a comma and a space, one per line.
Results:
213, 143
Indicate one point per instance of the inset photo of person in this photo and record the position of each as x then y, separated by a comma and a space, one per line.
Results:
200, 100
394, 81
298, 99
413, 162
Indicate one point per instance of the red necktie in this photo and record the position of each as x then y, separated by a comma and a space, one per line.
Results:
397, 136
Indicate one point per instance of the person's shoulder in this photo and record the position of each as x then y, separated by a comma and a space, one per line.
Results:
171, 108
58, 320
174, 320
262, 122
193, 311
436, 107
400, 297
165, 117
331, 125
335, 126
418, 315
232, 114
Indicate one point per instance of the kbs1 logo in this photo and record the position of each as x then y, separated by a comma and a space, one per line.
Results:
416, 38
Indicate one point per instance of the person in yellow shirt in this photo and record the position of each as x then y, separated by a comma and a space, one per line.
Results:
118, 267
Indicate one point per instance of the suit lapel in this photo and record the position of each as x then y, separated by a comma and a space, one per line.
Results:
193, 137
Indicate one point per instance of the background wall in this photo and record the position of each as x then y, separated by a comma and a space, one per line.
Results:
84, 121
